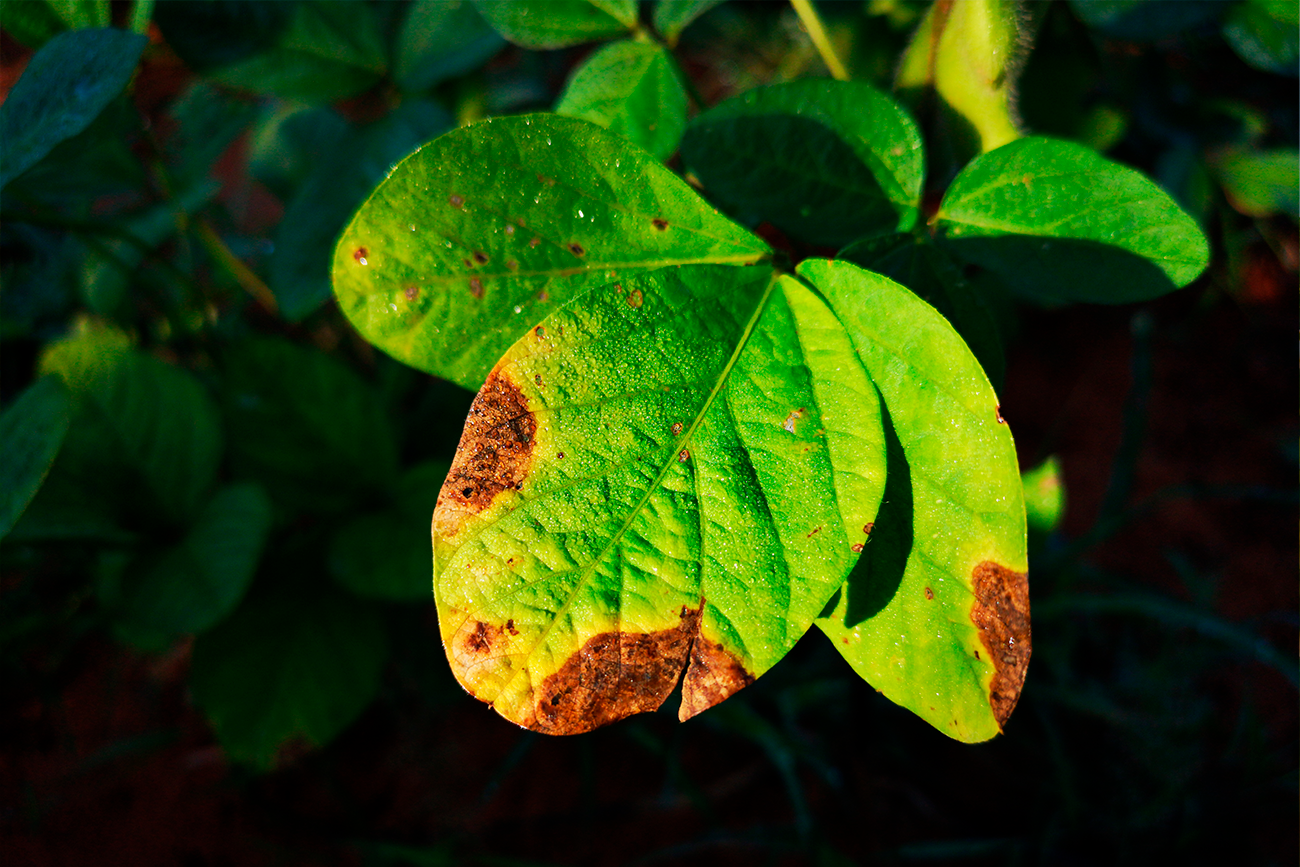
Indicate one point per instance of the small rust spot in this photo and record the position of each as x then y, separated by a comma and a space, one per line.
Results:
537, 378
495, 453
543, 179
510, 627
635, 298
659, 223
540, 332
514, 266
476, 287
412, 292
814, 531
480, 257
929, 594
481, 639
977, 654
612, 676
684, 455
998, 412
794, 416
360, 254
467, 263
1001, 614
543, 296
560, 455
856, 547
510, 230
456, 201
714, 675
867, 527
676, 428
576, 249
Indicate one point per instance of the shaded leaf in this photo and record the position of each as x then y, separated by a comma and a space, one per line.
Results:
310, 50
196, 583
558, 23
1265, 34
146, 433
65, 86
386, 555
671, 17
1260, 183
1057, 221
337, 184
827, 161
31, 431
1145, 20
634, 89
672, 471
441, 39
292, 667
480, 234
207, 120
936, 612
305, 425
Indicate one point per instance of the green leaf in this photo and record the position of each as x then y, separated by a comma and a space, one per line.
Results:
207, 120
31, 23
196, 583
1044, 495
1260, 183
1265, 34
79, 14
1144, 20
292, 667
558, 23
634, 89
313, 50
1055, 220
290, 143
671, 17
146, 432
921, 266
672, 471
64, 87
480, 234
826, 161
31, 431
441, 39
386, 555
337, 184
306, 425
936, 612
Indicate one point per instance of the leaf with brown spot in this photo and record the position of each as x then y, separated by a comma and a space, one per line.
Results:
953, 523
600, 535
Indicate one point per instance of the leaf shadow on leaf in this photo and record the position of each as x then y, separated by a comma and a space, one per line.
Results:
794, 172
1065, 269
876, 576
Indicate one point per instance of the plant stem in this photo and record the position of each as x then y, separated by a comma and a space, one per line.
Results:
244, 275
813, 24
141, 12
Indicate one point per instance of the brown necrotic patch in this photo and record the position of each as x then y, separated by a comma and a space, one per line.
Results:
496, 449
1001, 614
715, 675
614, 675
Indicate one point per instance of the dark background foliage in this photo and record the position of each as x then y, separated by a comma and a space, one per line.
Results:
312, 719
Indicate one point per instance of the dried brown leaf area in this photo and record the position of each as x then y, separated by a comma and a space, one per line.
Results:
495, 454
1001, 613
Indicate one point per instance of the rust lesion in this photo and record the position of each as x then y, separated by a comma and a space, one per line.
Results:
614, 675
495, 453
715, 674
1001, 614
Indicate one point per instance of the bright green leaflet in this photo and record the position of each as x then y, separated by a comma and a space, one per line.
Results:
634, 89
292, 411
827, 161
31, 430
199, 581
441, 39
1044, 495
558, 23
64, 87
296, 662
140, 422
703, 436
481, 233
1264, 33
953, 503
671, 17
1056, 220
